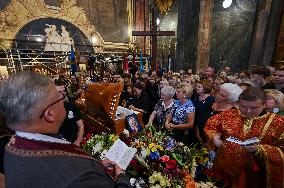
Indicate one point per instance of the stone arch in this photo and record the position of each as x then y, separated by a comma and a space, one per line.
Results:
19, 13
33, 35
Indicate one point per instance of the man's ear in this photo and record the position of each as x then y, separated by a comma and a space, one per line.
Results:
49, 115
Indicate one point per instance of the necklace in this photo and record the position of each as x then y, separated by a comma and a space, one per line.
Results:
249, 121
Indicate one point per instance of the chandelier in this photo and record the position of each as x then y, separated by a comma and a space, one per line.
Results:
164, 5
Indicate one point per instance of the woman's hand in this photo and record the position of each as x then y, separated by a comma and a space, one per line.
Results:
148, 124
217, 140
131, 107
169, 126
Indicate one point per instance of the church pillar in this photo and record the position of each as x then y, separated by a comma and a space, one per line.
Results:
142, 21
273, 28
187, 32
203, 48
265, 31
130, 17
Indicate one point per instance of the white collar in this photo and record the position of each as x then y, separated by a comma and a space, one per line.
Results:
41, 137
163, 103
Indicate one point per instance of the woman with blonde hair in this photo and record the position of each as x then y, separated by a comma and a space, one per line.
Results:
181, 119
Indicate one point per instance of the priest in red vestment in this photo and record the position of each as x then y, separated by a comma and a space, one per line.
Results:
242, 164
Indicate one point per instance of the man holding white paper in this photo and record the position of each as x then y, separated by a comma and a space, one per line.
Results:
250, 143
121, 154
37, 156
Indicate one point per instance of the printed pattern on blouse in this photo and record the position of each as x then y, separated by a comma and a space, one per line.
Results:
162, 112
180, 111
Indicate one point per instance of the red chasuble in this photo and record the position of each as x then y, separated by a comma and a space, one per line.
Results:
234, 164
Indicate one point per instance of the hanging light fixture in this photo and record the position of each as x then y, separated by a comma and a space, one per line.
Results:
227, 3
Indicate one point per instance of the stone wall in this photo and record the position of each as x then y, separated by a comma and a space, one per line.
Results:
109, 18
231, 34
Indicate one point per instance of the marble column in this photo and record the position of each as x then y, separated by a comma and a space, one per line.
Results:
187, 34
265, 31
277, 8
203, 49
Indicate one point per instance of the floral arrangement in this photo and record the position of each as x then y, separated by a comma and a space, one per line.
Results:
160, 161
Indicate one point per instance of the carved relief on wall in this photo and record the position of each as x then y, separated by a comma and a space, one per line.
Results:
203, 49
20, 12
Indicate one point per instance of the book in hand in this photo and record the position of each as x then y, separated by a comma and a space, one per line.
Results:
121, 154
247, 142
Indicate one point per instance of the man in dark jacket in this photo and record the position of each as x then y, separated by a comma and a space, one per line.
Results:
36, 156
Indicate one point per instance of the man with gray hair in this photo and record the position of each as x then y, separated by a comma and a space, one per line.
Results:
36, 156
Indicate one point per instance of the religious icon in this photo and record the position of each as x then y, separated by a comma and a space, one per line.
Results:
133, 124
57, 42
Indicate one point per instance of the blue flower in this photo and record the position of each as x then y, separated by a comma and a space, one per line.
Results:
170, 144
154, 155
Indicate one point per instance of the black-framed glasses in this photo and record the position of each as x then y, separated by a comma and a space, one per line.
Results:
62, 98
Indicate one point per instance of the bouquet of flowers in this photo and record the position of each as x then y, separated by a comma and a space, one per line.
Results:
160, 161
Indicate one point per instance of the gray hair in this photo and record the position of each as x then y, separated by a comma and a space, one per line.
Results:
233, 90
168, 91
22, 97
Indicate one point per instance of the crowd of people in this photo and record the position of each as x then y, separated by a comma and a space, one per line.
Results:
205, 109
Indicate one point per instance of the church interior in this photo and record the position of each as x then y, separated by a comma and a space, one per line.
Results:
154, 74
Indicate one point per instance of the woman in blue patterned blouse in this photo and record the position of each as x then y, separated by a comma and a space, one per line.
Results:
181, 119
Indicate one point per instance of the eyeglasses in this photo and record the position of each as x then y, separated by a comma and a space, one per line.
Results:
62, 98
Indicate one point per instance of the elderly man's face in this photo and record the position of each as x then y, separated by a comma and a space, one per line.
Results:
57, 104
251, 109
278, 77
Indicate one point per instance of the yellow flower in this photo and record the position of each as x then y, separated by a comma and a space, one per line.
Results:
114, 138
152, 147
160, 148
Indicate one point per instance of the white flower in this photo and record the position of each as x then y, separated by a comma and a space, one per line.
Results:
193, 168
96, 148
151, 180
103, 155
158, 180
137, 185
126, 132
132, 181
144, 153
205, 185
